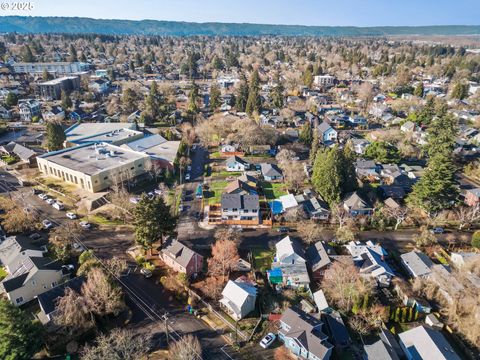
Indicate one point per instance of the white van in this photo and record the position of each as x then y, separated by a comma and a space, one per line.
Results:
58, 205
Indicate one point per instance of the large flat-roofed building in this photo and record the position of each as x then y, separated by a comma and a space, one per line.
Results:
53, 89
94, 167
113, 133
51, 67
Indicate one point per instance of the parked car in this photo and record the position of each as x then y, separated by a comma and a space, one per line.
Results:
145, 272
187, 176
158, 192
43, 196
267, 340
49, 201
36, 191
68, 268
47, 224
58, 205
71, 215
134, 200
85, 224
437, 230
283, 229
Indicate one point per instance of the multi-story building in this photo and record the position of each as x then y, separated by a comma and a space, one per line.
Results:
240, 208
29, 109
51, 67
94, 167
53, 89
324, 80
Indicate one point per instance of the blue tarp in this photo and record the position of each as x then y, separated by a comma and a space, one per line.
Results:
276, 207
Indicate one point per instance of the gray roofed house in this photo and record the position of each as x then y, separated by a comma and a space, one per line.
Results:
386, 348
355, 205
338, 333
236, 163
326, 133
239, 187
271, 172
48, 299
316, 208
425, 343
318, 258
23, 153
238, 207
16, 248
302, 335
366, 168
30, 277
417, 263
181, 258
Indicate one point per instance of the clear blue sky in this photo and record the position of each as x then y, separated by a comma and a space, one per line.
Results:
303, 12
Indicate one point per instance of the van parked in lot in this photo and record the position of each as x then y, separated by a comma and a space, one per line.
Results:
58, 205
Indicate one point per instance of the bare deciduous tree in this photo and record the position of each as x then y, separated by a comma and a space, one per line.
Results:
102, 296
72, 312
224, 257
310, 231
187, 348
467, 215
399, 213
119, 344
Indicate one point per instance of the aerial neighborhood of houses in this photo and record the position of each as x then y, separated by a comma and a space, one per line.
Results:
256, 198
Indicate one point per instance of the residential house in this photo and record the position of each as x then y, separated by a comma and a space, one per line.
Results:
240, 208
30, 276
359, 145
321, 301
181, 258
238, 298
21, 152
5, 113
337, 331
56, 113
29, 109
367, 169
239, 187
324, 80
426, 343
357, 120
99, 86
271, 172
370, 259
355, 205
260, 150
235, 164
472, 196
408, 127
14, 249
289, 265
229, 148
326, 133
48, 299
302, 334
386, 348
417, 264
318, 258
316, 208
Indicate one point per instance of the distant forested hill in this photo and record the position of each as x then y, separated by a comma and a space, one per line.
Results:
23, 24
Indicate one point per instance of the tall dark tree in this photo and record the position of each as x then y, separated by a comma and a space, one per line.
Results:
66, 100
437, 189
215, 97
242, 97
11, 99
129, 101
193, 99
153, 221
20, 338
55, 136
306, 135
254, 101
419, 90
333, 174
277, 95
73, 53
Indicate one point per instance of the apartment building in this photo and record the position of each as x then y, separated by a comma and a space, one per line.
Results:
53, 89
51, 67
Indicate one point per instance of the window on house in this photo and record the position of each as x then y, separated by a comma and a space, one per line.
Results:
234, 209
19, 300
54, 284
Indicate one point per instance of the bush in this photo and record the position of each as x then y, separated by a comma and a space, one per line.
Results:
476, 239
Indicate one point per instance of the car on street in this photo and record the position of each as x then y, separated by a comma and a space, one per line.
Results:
283, 229
43, 196
68, 267
189, 168
145, 272
135, 200
47, 224
85, 224
187, 176
267, 340
49, 201
36, 191
437, 230
71, 215
194, 147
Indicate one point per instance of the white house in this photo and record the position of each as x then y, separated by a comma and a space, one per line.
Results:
235, 163
238, 298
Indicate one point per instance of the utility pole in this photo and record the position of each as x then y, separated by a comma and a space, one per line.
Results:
165, 318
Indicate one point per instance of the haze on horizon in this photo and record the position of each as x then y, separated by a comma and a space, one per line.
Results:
300, 12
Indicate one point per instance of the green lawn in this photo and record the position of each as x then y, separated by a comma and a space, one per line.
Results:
215, 191
216, 155
225, 173
101, 220
262, 258
274, 190
3, 273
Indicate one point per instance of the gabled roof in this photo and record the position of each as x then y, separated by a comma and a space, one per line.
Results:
235, 159
324, 127
237, 292
47, 300
270, 170
237, 185
318, 255
178, 252
13, 246
426, 343
354, 202
417, 262
287, 247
